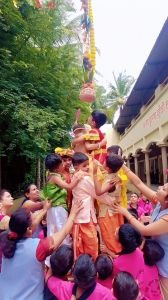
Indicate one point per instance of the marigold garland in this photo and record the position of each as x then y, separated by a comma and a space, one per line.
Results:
87, 92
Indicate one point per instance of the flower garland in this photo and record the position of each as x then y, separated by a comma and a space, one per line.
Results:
49, 4
89, 52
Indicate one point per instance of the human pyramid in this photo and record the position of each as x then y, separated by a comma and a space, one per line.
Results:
95, 246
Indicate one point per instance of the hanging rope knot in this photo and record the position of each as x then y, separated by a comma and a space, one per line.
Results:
12, 236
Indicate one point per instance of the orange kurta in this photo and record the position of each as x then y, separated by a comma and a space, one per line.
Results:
108, 221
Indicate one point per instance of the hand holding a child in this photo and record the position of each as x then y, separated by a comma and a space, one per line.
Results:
78, 176
120, 210
95, 167
110, 185
114, 181
145, 219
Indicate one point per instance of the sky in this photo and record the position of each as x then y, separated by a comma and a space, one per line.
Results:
125, 32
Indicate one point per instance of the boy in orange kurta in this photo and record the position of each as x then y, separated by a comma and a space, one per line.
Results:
93, 139
108, 221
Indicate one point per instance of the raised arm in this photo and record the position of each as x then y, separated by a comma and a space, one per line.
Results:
68, 186
66, 229
155, 228
90, 190
77, 140
100, 189
38, 216
32, 206
95, 146
142, 187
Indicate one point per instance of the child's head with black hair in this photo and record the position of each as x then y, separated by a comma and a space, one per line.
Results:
104, 266
80, 161
79, 129
115, 149
54, 163
113, 163
129, 238
61, 261
97, 119
84, 271
152, 252
125, 287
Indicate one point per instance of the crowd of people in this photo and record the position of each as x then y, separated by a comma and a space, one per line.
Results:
83, 236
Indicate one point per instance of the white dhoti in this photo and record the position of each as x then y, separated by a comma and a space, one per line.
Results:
56, 218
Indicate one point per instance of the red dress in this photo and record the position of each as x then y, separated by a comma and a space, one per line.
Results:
95, 135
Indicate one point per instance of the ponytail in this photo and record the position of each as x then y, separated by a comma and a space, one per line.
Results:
19, 222
7, 245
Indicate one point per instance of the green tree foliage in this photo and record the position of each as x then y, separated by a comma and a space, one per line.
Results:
119, 91
40, 81
109, 102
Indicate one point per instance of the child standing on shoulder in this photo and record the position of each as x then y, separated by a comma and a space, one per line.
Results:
115, 149
55, 191
84, 229
94, 140
66, 155
96, 120
107, 220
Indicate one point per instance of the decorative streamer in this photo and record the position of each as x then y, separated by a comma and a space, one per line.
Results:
48, 4
45, 4
87, 92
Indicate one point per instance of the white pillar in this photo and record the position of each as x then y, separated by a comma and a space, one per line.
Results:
136, 164
128, 162
147, 167
164, 162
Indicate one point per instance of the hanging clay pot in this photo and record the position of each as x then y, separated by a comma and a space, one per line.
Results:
87, 93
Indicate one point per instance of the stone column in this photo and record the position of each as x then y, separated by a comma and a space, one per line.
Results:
147, 168
136, 164
128, 162
164, 161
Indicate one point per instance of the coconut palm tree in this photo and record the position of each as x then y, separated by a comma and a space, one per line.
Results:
119, 91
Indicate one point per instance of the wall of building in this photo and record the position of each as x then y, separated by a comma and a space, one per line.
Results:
150, 126
145, 141
112, 135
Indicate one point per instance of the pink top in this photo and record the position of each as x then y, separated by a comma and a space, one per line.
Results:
134, 264
63, 290
152, 289
41, 234
144, 207
106, 282
85, 191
